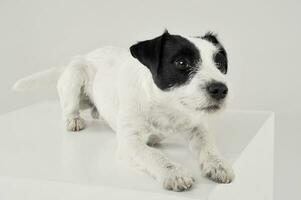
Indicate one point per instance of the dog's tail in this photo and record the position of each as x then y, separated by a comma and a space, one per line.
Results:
38, 80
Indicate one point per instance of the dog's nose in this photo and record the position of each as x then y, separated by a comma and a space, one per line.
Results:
217, 90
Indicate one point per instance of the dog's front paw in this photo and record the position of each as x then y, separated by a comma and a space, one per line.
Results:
217, 170
75, 124
177, 179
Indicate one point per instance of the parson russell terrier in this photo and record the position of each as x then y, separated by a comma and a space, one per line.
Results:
156, 88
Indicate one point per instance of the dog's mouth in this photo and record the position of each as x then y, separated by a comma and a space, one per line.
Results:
210, 108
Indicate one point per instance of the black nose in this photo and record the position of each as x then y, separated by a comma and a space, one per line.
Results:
217, 90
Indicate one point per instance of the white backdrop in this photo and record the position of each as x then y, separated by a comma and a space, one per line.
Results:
262, 39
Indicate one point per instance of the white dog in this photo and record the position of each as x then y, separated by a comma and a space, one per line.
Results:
159, 87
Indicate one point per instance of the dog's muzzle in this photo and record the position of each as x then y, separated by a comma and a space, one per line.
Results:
217, 90
216, 93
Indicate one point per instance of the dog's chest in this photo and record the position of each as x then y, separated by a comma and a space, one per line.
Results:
165, 121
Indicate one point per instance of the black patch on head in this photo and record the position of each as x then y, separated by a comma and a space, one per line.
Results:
221, 61
171, 59
220, 57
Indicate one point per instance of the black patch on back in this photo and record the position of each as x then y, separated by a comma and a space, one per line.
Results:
220, 58
162, 56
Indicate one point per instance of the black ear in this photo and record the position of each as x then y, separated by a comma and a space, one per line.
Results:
211, 37
149, 52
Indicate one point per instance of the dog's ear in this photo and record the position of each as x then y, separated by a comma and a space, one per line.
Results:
149, 52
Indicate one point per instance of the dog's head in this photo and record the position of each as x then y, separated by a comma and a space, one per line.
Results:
190, 70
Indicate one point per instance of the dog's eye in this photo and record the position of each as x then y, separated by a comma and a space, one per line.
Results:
182, 63
221, 62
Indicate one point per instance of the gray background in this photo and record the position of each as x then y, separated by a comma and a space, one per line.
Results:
262, 39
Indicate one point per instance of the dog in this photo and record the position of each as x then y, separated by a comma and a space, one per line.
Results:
158, 87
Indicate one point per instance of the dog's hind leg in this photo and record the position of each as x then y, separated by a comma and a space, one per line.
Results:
86, 103
71, 89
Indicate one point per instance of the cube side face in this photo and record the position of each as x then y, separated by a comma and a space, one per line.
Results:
254, 169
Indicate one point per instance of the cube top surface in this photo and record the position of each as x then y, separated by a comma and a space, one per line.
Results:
34, 146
